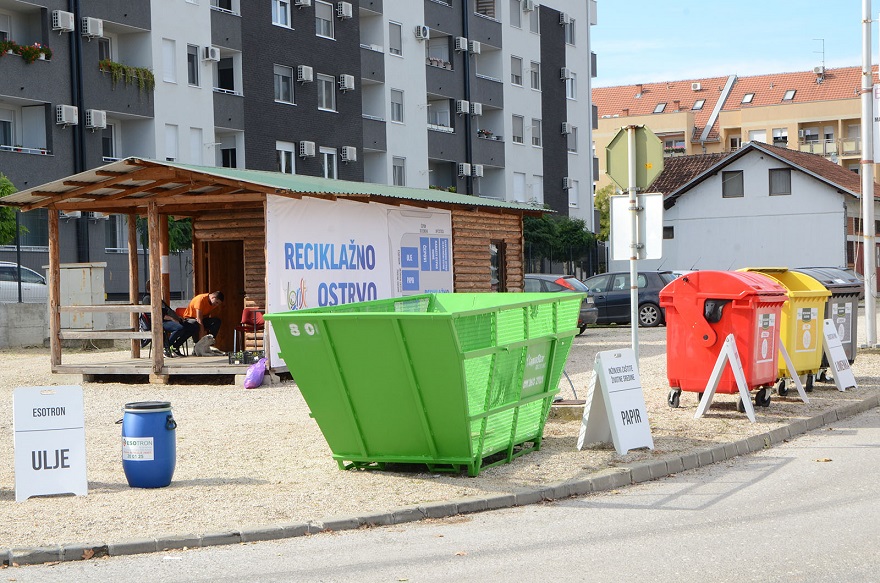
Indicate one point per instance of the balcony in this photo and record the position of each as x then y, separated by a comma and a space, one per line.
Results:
372, 63
445, 146
128, 96
822, 148
488, 91
375, 137
31, 81
131, 13
228, 109
371, 5
851, 146
489, 150
225, 29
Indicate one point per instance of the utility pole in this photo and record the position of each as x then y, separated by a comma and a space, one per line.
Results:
867, 176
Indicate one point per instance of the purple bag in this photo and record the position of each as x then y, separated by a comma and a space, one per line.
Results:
255, 373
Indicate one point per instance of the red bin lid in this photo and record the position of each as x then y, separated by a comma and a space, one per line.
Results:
727, 285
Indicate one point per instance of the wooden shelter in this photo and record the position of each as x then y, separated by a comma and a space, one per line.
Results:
228, 211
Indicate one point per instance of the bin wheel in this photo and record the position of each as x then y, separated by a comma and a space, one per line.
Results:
762, 397
808, 386
822, 376
739, 405
650, 315
781, 389
581, 330
674, 398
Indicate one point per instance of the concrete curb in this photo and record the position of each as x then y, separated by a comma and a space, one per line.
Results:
607, 479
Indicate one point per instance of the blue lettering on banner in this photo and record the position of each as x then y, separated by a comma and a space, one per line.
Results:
424, 253
410, 280
346, 292
444, 254
435, 254
409, 257
329, 256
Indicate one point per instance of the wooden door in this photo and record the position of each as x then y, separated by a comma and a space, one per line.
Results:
224, 271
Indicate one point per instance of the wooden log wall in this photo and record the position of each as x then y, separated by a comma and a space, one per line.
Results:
472, 233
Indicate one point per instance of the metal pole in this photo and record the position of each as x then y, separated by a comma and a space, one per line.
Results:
18, 248
634, 254
867, 176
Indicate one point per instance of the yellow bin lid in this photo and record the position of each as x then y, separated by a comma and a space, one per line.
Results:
798, 285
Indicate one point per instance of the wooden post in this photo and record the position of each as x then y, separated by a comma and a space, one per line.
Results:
155, 284
164, 260
54, 290
133, 280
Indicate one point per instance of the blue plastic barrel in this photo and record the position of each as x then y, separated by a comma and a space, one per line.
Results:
149, 444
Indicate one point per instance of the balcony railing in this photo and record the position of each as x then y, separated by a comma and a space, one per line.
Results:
23, 150
438, 62
823, 148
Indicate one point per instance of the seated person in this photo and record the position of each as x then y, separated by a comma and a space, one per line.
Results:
196, 314
178, 330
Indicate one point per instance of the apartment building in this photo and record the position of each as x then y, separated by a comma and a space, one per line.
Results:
816, 111
483, 97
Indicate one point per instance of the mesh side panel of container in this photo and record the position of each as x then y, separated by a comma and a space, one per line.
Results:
563, 346
567, 312
531, 415
498, 430
541, 319
476, 331
506, 385
476, 374
412, 305
511, 327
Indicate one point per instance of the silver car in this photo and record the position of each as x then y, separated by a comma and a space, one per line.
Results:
33, 285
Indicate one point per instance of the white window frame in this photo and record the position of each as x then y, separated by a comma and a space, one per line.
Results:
329, 162
5, 27
537, 188
571, 87
192, 65
105, 41
537, 127
281, 13
535, 20
7, 116
522, 129
395, 38
516, 13
518, 186
285, 157
747, 98
398, 171
572, 142
516, 71
172, 143
323, 82
196, 146
535, 75
397, 113
109, 131
569, 33
169, 60
574, 194
279, 73
698, 105
321, 30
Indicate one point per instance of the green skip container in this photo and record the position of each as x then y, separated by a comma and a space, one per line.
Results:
452, 381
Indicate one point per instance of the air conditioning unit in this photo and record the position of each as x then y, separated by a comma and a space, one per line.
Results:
92, 27
96, 119
476, 108
343, 10
820, 70
462, 106
302, 3
477, 170
66, 115
307, 149
474, 47
63, 21
801, 133
461, 43
464, 169
566, 183
346, 82
564, 18
422, 32
305, 74
69, 214
528, 5
565, 73
696, 87
211, 54
566, 128
348, 153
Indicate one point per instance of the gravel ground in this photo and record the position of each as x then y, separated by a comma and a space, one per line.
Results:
251, 458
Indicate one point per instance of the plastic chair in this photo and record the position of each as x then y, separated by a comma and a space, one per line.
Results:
251, 322
145, 325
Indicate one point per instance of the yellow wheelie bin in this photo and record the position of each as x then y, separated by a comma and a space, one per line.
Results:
802, 322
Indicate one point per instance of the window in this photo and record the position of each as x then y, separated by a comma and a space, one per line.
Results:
574, 194
780, 181
398, 171
328, 162
195, 145
485, 7
281, 12
516, 70
732, 184
758, 136
537, 188
497, 264
669, 232
660, 107
226, 74
698, 104
397, 105
747, 98
535, 20
192, 65
571, 86
324, 19
36, 228
284, 157
4, 27
573, 140
735, 143
789, 95
519, 186
171, 142
535, 75
283, 84
395, 38
326, 92
104, 52
438, 113
108, 148
518, 129
169, 64
228, 158
6, 128
780, 137
222, 4
536, 132
569, 32
515, 14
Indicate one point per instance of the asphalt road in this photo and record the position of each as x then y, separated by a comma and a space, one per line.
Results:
804, 511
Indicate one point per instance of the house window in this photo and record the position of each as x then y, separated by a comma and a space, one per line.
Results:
397, 105
569, 32
226, 74
780, 181
747, 98
516, 70
535, 75
324, 19
36, 228
758, 136
395, 38
104, 52
438, 113
536, 132
485, 7
698, 104
519, 186
171, 141
326, 92
515, 14
228, 158
497, 263
6, 133
281, 12
169, 64
398, 171
328, 162
222, 4
732, 184
789, 95
660, 107
780, 137
108, 149
283, 84
4, 27
535, 20
574, 194
518, 129
573, 140
284, 157
571, 86
537, 187
735, 143
669, 232
195, 145
192, 65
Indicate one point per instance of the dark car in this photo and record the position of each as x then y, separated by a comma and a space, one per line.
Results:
611, 294
544, 282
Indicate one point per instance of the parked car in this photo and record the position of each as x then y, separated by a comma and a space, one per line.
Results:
611, 294
544, 282
33, 285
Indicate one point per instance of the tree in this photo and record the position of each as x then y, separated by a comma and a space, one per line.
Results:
179, 233
557, 238
7, 215
602, 203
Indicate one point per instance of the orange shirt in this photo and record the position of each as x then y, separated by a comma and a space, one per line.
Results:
202, 303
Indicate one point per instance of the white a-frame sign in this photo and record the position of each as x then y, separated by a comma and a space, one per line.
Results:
615, 408
843, 375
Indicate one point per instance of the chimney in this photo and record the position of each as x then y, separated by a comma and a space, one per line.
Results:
625, 112
677, 104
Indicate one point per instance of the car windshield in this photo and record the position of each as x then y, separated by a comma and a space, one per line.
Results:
667, 277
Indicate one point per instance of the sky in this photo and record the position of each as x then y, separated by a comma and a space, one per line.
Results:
645, 41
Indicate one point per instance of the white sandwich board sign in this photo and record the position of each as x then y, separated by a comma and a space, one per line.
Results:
615, 410
843, 375
49, 440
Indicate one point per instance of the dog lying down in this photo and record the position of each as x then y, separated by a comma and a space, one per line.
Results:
205, 347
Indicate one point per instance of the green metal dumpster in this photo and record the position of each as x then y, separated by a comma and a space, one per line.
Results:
456, 380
